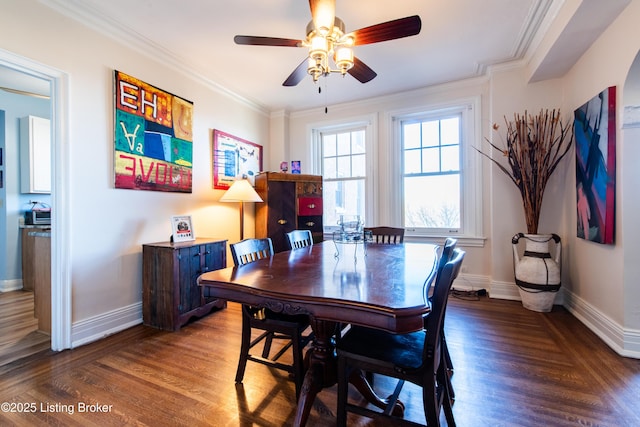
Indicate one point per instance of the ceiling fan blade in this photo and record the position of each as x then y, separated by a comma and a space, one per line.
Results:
390, 30
267, 41
361, 71
323, 13
298, 74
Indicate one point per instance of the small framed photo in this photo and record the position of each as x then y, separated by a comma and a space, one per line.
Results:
182, 229
295, 166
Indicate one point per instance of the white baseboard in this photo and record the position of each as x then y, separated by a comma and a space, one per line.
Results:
10, 285
471, 282
98, 327
625, 342
509, 291
504, 290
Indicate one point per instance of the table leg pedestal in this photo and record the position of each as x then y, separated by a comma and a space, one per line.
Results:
322, 373
322, 369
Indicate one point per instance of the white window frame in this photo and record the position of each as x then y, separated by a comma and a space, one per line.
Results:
369, 125
470, 232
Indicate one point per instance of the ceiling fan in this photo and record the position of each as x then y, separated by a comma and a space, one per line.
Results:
326, 40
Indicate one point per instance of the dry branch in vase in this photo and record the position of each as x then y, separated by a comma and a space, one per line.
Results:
534, 145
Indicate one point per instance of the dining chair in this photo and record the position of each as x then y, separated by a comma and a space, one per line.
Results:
386, 235
275, 326
300, 239
415, 357
447, 251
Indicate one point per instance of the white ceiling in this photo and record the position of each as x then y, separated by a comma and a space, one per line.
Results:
459, 40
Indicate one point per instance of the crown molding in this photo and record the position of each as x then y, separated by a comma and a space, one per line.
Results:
97, 21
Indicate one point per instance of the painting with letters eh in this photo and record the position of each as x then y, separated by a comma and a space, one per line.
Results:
153, 137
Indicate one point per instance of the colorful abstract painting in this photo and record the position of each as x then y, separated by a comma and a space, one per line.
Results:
595, 133
153, 137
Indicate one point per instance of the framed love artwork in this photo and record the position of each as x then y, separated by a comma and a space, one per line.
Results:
153, 137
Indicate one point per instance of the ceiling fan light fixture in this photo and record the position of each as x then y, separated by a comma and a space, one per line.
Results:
314, 68
328, 45
322, 46
344, 59
319, 47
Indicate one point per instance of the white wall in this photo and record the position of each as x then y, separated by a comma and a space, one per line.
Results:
510, 94
604, 278
110, 225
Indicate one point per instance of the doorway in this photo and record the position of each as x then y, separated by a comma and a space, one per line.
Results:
60, 261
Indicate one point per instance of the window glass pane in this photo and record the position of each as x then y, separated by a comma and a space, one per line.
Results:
344, 167
450, 131
357, 142
451, 158
431, 133
332, 202
344, 158
344, 144
342, 198
411, 135
412, 162
432, 201
432, 189
329, 168
359, 166
430, 160
329, 145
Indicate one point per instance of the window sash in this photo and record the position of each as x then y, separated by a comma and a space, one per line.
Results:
469, 167
357, 136
426, 141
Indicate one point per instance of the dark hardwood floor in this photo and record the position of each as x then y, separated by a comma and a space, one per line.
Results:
513, 367
19, 336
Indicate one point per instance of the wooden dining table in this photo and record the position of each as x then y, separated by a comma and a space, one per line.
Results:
382, 287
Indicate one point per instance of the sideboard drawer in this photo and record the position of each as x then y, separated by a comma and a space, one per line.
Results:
313, 223
308, 206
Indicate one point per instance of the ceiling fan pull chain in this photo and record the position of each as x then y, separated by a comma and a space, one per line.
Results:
326, 109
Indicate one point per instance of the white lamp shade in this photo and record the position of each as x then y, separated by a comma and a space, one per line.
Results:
241, 191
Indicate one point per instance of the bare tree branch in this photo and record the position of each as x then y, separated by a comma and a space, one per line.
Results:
534, 147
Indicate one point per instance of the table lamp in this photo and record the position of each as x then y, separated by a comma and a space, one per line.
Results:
241, 191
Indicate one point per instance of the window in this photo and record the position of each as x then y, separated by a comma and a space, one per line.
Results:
438, 176
431, 172
418, 170
344, 165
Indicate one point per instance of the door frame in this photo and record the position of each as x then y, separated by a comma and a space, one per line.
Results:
60, 197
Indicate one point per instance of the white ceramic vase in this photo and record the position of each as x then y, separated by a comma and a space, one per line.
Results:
537, 274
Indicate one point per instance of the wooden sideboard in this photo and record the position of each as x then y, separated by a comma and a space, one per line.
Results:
170, 293
291, 201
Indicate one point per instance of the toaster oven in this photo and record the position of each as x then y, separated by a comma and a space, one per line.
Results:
37, 217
